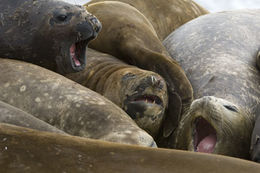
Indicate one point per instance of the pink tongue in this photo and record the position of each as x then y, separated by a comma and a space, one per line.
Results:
73, 55
207, 144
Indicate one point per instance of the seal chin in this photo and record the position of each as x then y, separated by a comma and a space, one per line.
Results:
204, 136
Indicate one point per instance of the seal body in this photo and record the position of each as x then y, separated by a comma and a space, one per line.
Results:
15, 116
218, 53
167, 15
49, 33
134, 41
66, 105
140, 93
28, 150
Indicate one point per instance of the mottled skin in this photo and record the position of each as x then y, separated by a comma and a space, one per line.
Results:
166, 15
131, 38
46, 33
15, 116
27, 150
218, 53
66, 105
141, 93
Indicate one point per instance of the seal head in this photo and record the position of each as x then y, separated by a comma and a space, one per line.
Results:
52, 34
142, 95
214, 125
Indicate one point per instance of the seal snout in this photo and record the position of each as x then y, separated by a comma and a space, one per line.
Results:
87, 30
204, 137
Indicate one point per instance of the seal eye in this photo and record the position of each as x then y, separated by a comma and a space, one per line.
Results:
231, 108
128, 76
62, 17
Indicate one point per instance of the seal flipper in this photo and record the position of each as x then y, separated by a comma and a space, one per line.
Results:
258, 60
172, 115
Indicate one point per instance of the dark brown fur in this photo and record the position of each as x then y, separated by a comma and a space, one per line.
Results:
25, 150
128, 35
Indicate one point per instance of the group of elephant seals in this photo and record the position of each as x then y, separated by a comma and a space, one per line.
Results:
140, 93
15, 116
50, 33
218, 53
29, 150
128, 35
167, 15
67, 105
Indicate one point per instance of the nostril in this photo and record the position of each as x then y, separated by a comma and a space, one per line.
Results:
96, 24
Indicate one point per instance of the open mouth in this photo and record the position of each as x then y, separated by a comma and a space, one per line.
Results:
138, 104
204, 137
77, 55
152, 99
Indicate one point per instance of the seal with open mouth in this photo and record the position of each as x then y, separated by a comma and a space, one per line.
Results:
132, 39
30, 150
218, 52
67, 105
141, 93
166, 15
50, 33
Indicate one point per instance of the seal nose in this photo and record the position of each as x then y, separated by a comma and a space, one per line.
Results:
96, 24
155, 82
89, 29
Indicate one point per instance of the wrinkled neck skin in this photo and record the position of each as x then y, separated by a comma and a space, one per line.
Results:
215, 125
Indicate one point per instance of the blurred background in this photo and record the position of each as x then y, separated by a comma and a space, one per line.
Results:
211, 5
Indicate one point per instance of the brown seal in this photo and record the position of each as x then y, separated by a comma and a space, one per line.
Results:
50, 33
66, 105
15, 116
218, 53
27, 150
140, 93
166, 15
128, 35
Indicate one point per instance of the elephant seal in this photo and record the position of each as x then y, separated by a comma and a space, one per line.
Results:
218, 53
255, 142
167, 15
67, 105
140, 93
15, 116
135, 42
27, 150
50, 33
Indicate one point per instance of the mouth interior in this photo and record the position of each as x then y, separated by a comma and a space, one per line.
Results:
77, 53
205, 137
148, 99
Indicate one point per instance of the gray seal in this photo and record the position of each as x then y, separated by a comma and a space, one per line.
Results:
15, 116
67, 105
218, 52
50, 33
